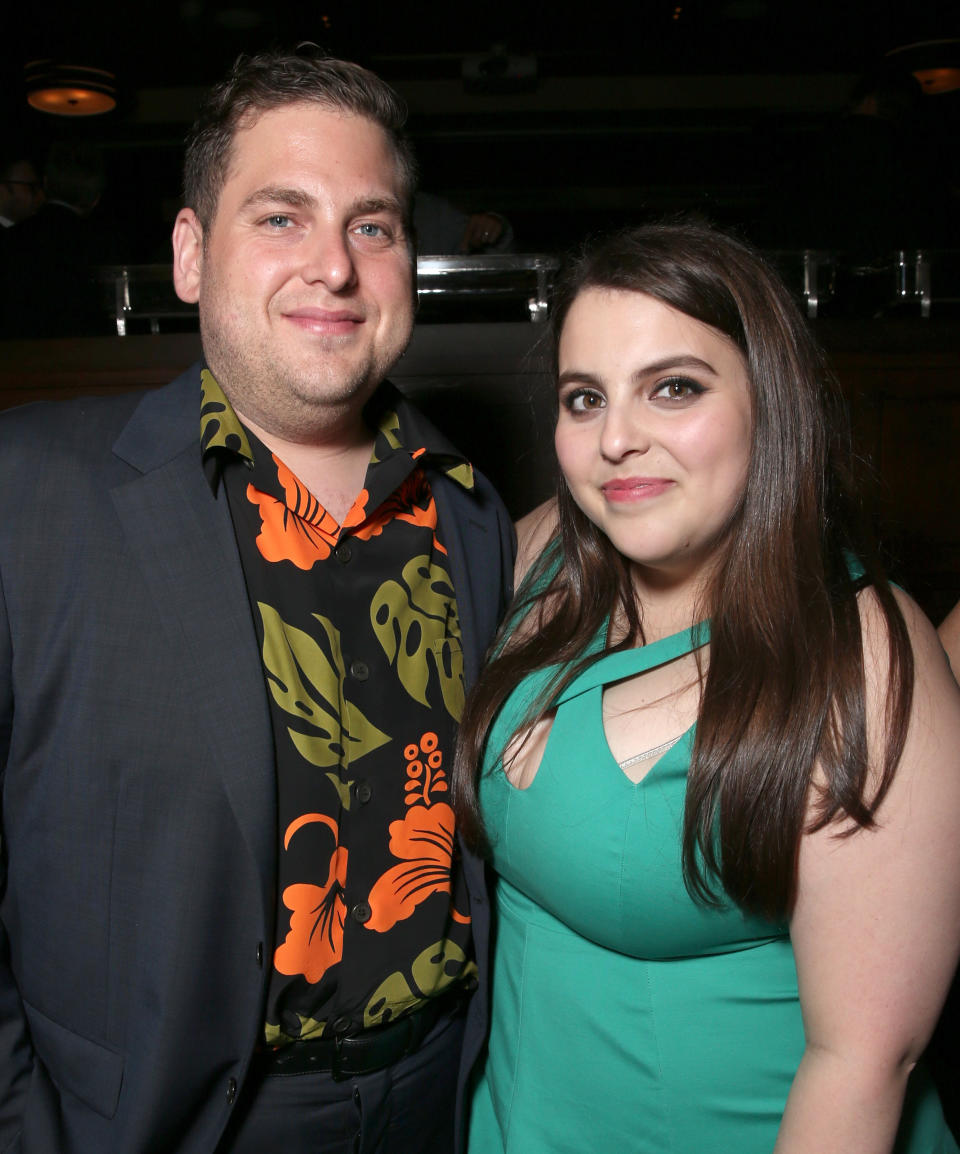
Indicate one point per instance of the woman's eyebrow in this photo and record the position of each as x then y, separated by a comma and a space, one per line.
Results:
675, 361
671, 361
578, 375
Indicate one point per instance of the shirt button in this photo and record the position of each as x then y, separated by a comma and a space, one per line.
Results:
341, 1025
231, 1091
260, 954
359, 670
361, 912
343, 552
364, 792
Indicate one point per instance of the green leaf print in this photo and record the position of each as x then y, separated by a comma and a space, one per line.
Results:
389, 428
433, 970
309, 1028
418, 627
308, 684
342, 787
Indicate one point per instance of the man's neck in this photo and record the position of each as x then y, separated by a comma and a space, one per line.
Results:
333, 470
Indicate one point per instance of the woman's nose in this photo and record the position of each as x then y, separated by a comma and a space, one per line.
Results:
624, 432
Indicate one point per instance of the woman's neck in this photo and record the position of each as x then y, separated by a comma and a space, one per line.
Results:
667, 606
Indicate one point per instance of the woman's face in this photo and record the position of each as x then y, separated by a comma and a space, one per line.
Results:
654, 431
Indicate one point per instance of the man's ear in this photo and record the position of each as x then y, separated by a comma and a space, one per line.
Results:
187, 255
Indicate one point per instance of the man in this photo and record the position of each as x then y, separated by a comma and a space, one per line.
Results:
21, 194
49, 284
21, 190
235, 619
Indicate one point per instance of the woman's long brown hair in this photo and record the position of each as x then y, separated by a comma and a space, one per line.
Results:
784, 688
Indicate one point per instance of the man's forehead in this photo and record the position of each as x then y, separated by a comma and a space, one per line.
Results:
244, 149
309, 116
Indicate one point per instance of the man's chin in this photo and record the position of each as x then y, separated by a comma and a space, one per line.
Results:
328, 379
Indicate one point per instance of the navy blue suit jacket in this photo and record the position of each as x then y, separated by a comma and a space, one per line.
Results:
138, 808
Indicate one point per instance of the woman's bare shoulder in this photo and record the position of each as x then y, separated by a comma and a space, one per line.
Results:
950, 638
534, 531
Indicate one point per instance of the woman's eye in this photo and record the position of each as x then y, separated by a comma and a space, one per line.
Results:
583, 401
678, 389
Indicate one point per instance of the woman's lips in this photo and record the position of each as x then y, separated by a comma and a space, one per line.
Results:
628, 489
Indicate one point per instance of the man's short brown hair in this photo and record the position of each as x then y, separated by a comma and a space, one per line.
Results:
261, 83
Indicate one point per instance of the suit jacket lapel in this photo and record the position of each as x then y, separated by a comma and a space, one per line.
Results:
182, 538
477, 563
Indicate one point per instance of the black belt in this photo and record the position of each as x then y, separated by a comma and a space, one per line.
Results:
364, 1052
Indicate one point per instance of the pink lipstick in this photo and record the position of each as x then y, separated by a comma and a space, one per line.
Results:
626, 489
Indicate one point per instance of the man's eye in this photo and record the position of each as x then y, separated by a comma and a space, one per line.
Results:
370, 230
278, 220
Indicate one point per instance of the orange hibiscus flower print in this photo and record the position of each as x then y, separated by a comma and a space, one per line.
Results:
314, 942
411, 502
298, 529
423, 841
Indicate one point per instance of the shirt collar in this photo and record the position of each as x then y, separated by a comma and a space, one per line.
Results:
399, 427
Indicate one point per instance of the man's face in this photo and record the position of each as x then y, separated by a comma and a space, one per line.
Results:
304, 276
21, 192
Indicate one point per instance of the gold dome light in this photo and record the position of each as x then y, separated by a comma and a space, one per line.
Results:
70, 89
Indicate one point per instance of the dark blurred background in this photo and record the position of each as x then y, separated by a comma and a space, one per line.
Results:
563, 118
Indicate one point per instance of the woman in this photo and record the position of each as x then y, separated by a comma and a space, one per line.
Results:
949, 632
720, 757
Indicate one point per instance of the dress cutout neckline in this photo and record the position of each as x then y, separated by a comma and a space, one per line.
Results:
615, 667
625, 663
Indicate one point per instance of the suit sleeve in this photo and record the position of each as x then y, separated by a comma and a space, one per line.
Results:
16, 1055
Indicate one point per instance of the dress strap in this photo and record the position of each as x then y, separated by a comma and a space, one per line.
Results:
628, 662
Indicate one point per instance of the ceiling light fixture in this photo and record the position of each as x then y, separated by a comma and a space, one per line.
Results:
69, 89
935, 63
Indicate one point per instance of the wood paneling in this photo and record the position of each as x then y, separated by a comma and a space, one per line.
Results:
488, 386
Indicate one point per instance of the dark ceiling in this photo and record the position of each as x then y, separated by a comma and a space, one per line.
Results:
630, 109
189, 42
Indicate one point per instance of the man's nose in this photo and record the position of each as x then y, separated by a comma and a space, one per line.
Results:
328, 259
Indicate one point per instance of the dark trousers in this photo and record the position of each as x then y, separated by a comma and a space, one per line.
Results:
405, 1109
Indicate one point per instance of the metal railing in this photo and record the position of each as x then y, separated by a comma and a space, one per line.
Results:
517, 287
145, 291
911, 280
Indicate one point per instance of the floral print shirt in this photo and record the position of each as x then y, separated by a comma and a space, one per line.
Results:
360, 641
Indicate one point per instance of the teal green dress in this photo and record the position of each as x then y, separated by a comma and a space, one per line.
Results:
625, 1017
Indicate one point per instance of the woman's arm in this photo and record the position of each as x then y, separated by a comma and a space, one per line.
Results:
950, 638
876, 928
